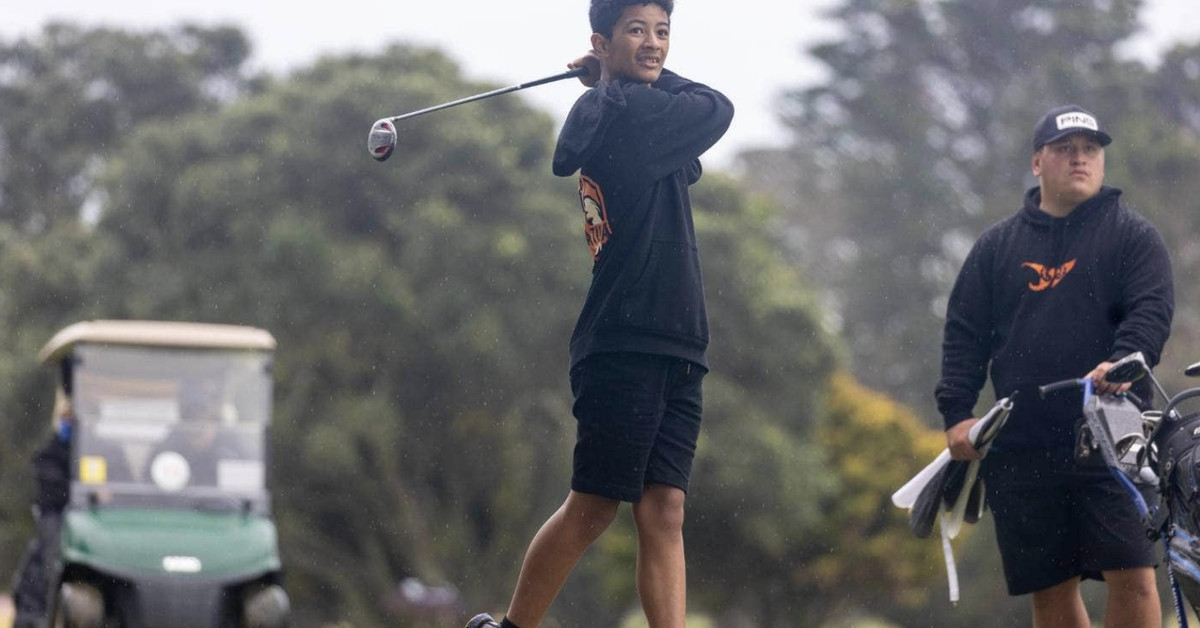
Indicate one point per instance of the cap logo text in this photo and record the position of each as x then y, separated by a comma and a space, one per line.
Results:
1076, 120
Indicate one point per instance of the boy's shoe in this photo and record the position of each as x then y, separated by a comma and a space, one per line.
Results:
482, 620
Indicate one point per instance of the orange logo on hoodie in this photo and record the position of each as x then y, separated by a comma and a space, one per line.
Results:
1048, 277
595, 216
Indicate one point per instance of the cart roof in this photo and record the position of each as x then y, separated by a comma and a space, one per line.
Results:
156, 334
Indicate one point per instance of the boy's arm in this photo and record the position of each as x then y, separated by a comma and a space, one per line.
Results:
648, 131
673, 122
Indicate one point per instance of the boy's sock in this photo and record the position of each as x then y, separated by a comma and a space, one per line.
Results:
506, 623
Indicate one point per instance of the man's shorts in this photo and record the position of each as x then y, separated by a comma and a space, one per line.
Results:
1056, 520
638, 418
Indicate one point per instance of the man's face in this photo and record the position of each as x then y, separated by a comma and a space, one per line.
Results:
1071, 170
639, 44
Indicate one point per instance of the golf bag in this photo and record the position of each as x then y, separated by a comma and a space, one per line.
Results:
1178, 445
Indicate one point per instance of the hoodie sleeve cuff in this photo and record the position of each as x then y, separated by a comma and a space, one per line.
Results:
951, 419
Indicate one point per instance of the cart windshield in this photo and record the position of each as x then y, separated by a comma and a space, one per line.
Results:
160, 424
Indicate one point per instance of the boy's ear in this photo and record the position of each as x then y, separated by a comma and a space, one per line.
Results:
600, 45
1036, 163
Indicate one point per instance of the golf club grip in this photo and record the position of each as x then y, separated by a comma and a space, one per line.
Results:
495, 92
1066, 384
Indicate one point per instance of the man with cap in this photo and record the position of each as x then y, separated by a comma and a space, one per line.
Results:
1062, 289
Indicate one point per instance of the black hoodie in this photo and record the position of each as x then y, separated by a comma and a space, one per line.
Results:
637, 148
1044, 299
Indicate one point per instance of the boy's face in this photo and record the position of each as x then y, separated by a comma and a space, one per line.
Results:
639, 44
1070, 170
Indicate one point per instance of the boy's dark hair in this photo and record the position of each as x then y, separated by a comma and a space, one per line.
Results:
605, 13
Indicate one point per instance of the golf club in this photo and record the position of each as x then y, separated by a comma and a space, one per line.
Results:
1132, 368
1127, 370
382, 139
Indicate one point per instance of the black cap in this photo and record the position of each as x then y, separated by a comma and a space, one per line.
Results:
1060, 122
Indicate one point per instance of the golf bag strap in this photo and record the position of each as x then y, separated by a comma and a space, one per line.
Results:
1176, 594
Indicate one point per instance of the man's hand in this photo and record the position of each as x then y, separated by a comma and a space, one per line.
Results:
1103, 386
592, 63
958, 440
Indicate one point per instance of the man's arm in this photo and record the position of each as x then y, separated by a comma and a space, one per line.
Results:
1147, 294
966, 349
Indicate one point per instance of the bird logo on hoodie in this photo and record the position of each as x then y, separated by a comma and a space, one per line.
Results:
1048, 277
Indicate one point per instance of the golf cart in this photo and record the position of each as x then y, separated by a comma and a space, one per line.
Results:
168, 523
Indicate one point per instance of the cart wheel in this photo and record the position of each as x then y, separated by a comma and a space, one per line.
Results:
266, 607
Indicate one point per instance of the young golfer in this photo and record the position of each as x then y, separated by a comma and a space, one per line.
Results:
638, 349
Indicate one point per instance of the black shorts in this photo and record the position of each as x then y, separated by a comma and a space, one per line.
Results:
1056, 520
638, 417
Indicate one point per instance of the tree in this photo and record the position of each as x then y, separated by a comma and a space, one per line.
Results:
410, 368
920, 138
917, 141
1153, 158
422, 309
70, 95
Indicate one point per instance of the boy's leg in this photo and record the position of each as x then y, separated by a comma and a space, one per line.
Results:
661, 571
618, 407
1037, 530
1132, 599
1114, 543
554, 551
1060, 606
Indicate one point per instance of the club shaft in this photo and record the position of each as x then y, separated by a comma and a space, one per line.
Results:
577, 72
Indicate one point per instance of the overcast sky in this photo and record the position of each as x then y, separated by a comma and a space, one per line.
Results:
752, 50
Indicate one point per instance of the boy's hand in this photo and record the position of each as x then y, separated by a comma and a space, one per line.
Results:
958, 441
592, 63
1103, 386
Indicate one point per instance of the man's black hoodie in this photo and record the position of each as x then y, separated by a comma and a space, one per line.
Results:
1044, 299
637, 148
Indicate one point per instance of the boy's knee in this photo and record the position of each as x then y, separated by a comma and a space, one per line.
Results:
591, 514
660, 510
1132, 584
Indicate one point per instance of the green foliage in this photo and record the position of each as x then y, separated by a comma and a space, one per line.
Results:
422, 309
817, 530
1155, 163
46, 282
873, 446
70, 95
423, 306
411, 371
757, 477
920, 138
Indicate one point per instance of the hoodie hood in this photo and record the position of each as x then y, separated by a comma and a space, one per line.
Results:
1031, 212
586, 126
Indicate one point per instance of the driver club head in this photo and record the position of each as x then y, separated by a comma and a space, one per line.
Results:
1193, 370
382, 139
1128, 369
